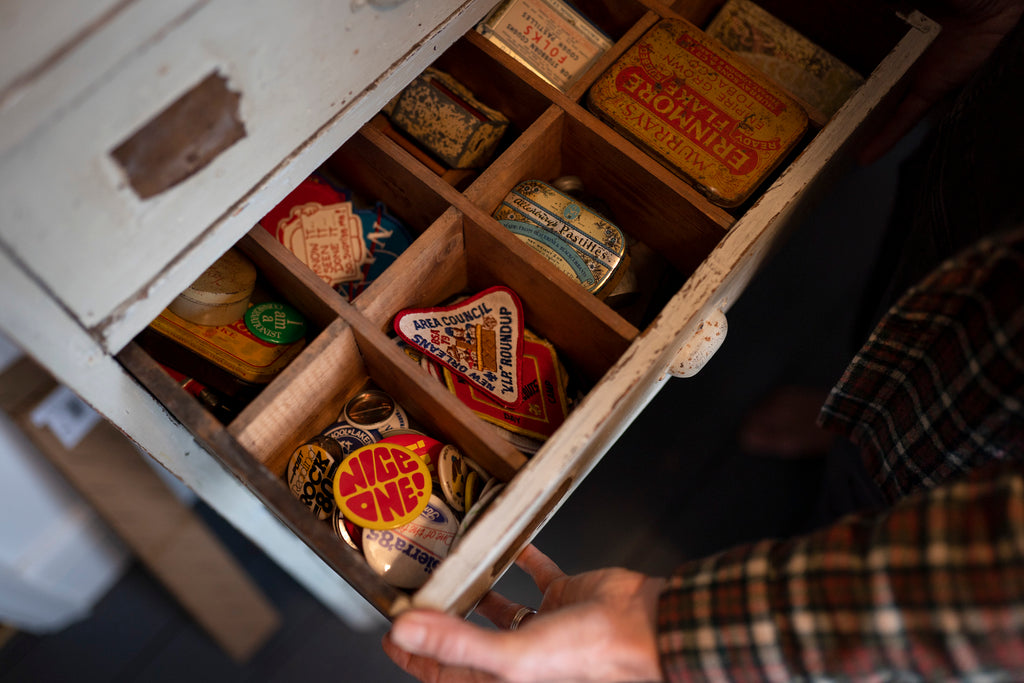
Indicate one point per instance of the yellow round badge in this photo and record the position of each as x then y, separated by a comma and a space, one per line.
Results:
382, 486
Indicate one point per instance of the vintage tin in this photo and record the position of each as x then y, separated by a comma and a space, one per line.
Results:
310, 474
447, 119
221, 294
778, 50
228, 358
548, 36
581, 243
703, 113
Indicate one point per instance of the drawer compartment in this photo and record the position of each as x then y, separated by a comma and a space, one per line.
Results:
616, 357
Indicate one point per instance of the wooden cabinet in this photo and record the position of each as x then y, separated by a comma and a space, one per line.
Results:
89, 258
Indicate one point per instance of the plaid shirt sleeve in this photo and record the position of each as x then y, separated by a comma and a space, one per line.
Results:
931, 588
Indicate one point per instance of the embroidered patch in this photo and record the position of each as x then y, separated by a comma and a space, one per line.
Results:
479, 339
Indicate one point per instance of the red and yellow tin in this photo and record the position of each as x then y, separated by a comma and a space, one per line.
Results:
704, 114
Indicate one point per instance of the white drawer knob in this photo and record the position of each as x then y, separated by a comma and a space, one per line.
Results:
699, 349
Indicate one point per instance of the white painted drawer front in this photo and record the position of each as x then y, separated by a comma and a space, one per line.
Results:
68, 212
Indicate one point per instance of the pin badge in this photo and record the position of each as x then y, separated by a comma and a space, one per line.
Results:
382, 486
407, 555
479, 338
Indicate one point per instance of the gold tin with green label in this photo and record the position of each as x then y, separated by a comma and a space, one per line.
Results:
581, 243
447, 119
704, 114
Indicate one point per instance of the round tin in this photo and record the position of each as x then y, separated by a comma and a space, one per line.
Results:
374, 410
221, 294
310, 474
347, 531
275, 322
451, 473
406, 556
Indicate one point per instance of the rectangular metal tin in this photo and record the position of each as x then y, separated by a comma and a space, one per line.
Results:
704, 114
447, 119
551, 38
781, 52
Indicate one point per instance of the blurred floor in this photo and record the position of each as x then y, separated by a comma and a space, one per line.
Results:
673, 487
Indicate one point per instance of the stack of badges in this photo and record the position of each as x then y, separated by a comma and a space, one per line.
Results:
480, 350
397, 496
346, 247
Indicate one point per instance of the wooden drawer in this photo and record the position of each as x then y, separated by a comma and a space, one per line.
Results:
115, 238
711, 252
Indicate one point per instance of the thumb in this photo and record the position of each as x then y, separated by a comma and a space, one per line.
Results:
452, 641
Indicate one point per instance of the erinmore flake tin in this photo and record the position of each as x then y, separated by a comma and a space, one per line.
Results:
707, 116
583, 244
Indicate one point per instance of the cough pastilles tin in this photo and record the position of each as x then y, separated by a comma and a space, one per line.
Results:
704, 114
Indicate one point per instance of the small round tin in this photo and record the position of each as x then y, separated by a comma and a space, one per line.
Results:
451, 473
221, 294
347, 531
275, 322
374, 410
311, 472
406, 556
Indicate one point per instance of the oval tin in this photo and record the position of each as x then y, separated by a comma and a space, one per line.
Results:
707, 116
578, 241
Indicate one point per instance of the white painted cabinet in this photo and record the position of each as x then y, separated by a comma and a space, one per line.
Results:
97, 237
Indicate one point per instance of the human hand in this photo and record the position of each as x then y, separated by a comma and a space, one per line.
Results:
971, 30
596, 626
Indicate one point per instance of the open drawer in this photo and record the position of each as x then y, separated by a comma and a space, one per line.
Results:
620, 360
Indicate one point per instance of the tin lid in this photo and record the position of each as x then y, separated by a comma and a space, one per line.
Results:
310, 474
221, 294
451, 473
703, 113
374, 409
407, 555
275, 322
382, 486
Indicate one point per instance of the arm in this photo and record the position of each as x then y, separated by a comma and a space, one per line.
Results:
933, 589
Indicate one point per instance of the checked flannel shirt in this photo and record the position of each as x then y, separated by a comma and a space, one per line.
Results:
932, 587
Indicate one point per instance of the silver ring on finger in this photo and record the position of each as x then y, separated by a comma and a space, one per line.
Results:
519, 616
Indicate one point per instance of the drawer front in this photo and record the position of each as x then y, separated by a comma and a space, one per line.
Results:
459, 248
270, 78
